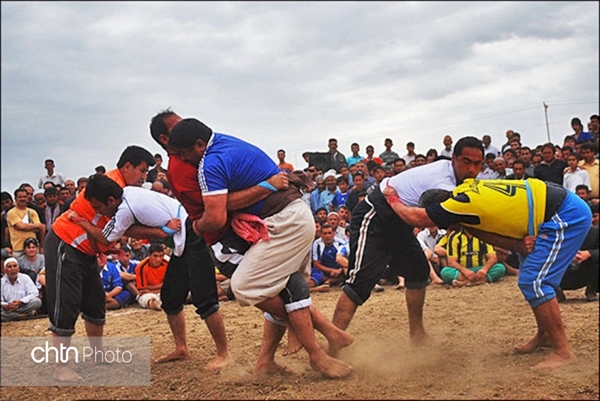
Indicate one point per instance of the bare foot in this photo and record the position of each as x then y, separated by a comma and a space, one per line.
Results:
554, 361
174, 355
320, 288
532, 345
339, 340
420, 340
294, 345
330, 367
439, 281
220, 362
65, 374
269, 369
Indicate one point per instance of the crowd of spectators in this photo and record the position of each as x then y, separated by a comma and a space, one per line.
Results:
134, 273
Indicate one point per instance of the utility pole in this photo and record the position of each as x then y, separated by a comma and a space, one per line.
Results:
546, 115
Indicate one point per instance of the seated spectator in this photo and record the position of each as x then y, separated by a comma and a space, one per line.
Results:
583, 271
324, 252
399, 166
315, 195
149, 277
333, 219
509, 259
344, 214
591, 164
113, 286
321, 215
126, 268
64, 196
573, 176
139, 250
341, 197
470, 261
428, 237
32, 262
19, 294
583, 192
330, 191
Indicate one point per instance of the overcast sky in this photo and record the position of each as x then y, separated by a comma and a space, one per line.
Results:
81, 81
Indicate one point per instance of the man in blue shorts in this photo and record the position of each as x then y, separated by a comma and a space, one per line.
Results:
547, 223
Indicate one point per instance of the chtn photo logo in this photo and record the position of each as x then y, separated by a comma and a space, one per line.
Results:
64, 354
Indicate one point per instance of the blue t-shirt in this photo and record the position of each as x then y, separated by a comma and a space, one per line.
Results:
230, 164
110, 277
339, 199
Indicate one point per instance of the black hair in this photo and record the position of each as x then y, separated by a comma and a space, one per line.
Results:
187, 131
156, 247
101, 187
467, 142
433, 196
5, 195
582, 186
100, 169
158, 126
135, 155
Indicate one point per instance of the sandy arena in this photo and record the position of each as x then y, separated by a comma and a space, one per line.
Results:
475, 330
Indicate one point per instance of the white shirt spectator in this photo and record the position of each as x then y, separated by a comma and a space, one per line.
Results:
427, 241
447, 153
579, 177
23, 290
490, 149
56, 178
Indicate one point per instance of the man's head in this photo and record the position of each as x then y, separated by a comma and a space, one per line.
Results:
49, 166
317, 228
583, 192
509, 134
161, 125
362, 167
158, 160
100, 169
124, 256
321, 214
81, 184
6, 201
370, 151
29, 189
519, 169
500, 166
548, 153
359, 179
134, 163
431, 155
51, 195
388, 144
104, 194
594, 122
572, 162
343, 212
410, 147
135, 244
576, 125
342, 184
420, 160
399, 166
515, 144
525, 155
189, 137
11, 269
332, 144
447, 142
509, 154
320, 183
156, 255
21, 198
489, 160
38, 197
70, 185
327, 234
536, 159
467, 158
333, 219
595, 216
486, 140
330, 180
64, 194
354, 148
281, 155
569, 141
587, 151
378, 173
344, 171
30, 246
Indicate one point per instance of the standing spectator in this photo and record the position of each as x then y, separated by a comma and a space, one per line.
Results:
31, 204
488, 147
315, 195
23, 222
518, 171
526, 155
431, 156
51, 175
550, 169
594, 127
359, 187
100, 169
388, 156
578, 133
81, 184
370, 156
355, 157
575, 175
70, 185
591, 165
447, 151
152, 174
420, 160
337, 158
410, 152
509, 134
32, 262
64, 195
19, 294
283, 165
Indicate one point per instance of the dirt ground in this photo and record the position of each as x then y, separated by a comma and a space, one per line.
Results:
475, 329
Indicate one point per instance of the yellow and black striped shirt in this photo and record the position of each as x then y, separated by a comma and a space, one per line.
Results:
470, 252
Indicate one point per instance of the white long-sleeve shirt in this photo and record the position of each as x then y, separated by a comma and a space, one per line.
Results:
572, 179
23, 289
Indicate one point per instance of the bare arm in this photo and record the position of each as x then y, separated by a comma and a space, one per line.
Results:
215, 214
244, 198
20, 226
140, 232
522, 246
453, 262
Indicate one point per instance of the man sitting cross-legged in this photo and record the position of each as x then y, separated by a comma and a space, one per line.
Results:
111, 281
150, 277
19, 293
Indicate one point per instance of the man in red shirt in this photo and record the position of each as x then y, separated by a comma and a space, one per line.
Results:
200, 277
